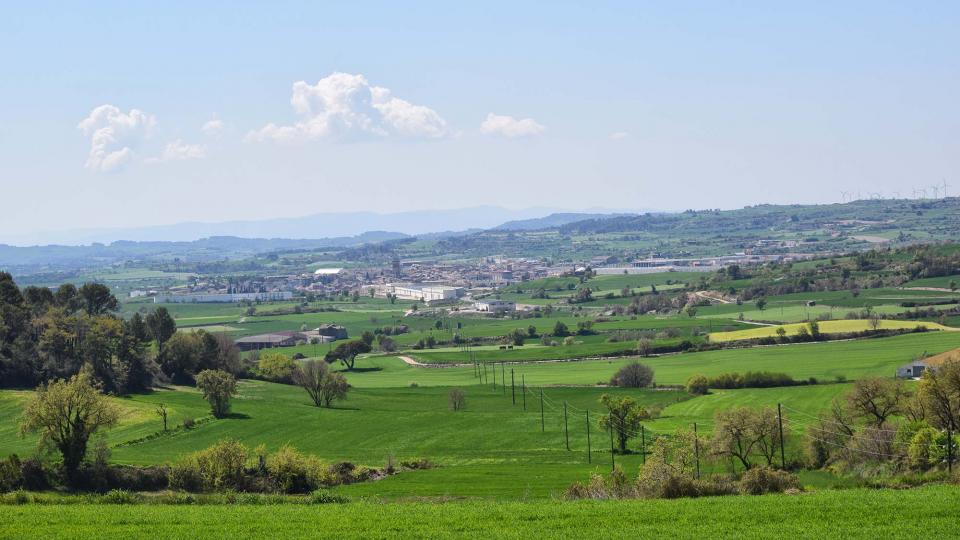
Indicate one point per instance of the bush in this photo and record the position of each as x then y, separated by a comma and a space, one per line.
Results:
698, 385
188, 423
120, 496
633, 375
34, 476
322, 496
216, 468
10, 476
763, 479
294, 472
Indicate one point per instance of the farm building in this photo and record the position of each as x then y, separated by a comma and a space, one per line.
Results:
917, 367
424, 293
332, 331
269, 341
494, 305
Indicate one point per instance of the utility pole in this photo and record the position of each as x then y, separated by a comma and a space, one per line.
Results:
494, 376
523, 386
503, 378
589, 456
783, 459
566, 433
513, 389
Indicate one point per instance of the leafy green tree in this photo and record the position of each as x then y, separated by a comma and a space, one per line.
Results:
560, 329
347, 353
161, 326
217, 387
97, 299
939, 392
761, 303
276, 367
66, 414
623, 417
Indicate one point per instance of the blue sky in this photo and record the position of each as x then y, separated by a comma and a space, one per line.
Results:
439, 105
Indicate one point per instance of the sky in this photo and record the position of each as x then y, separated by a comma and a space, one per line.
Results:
128, 114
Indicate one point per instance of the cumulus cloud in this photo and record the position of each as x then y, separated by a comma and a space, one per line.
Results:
114, 135
212, 127
619, 135
344, 106
178, 151
508, 126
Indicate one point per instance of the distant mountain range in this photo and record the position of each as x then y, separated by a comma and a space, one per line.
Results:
232, 240
325, 225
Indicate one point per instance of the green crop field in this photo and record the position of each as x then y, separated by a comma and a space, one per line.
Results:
826, 327
869, 514
484, 449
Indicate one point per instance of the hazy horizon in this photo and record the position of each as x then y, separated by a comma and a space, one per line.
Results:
209, 113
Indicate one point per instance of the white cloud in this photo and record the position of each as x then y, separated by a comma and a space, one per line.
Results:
114, 135
344, 106
508, 126
212, 127
178, 151
619, 135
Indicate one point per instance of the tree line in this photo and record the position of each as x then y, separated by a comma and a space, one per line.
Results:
48, 334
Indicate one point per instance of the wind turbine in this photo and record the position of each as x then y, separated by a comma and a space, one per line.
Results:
945, 186
936, 191
844, 195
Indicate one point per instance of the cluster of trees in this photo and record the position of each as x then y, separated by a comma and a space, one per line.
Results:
881, 420
47, 335
698, 384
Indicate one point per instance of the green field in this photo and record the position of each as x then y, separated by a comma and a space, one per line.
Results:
826, 327
486, 448
871, 514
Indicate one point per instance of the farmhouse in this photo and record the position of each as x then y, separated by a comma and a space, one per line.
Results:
268, 341
332, 331
917, 367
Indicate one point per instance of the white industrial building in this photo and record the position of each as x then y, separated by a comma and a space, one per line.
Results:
493, 305
425, 293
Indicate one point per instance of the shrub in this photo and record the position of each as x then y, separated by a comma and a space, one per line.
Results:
188, 423
34, 476
294, 472
11, 477
698, 385
120, 496
633, 375
216, 468
763, 479
322, 496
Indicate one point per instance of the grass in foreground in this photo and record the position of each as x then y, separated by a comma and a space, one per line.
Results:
928, 512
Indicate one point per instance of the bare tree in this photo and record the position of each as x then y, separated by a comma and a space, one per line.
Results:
162, 412
458, 399
877, 399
